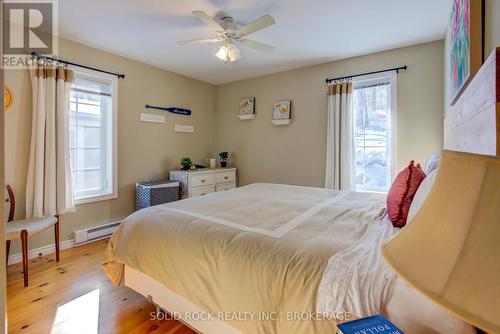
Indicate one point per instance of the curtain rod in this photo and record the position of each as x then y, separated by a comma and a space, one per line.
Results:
37, 56
397, 69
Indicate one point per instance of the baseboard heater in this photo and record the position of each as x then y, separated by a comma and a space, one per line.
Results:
95, 233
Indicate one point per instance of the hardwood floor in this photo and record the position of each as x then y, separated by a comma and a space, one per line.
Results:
75, 296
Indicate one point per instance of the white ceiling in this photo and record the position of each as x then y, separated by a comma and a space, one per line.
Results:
306, 31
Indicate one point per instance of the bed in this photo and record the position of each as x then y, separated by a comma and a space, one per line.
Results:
269, 258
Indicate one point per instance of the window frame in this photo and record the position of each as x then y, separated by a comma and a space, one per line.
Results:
99, 76
378, 78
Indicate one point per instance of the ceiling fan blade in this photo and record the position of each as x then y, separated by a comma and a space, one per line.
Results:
199, 41
259, 24
203, 17
262, 47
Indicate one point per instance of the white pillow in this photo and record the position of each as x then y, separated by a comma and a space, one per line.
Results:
432, 163
421, 195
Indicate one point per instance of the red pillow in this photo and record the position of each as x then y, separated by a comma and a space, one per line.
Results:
401, 194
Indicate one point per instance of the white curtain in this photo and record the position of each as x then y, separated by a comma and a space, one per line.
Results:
49, 185
340, 155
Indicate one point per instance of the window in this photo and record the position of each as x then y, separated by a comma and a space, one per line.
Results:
374, 109
93, 136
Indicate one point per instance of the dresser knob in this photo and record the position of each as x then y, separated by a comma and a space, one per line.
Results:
203, 181
226, 177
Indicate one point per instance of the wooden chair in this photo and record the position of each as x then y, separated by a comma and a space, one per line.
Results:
22, 229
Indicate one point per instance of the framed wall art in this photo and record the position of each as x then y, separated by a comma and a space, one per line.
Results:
8, 98
282, 112
465, 44
247, 108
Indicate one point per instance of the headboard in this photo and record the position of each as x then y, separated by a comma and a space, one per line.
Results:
473, 123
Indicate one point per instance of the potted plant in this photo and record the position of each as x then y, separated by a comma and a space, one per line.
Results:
186, 163
223, 158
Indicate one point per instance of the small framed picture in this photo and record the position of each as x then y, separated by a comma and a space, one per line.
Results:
247, 106
282, 110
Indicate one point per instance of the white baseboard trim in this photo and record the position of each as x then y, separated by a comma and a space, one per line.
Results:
34, 253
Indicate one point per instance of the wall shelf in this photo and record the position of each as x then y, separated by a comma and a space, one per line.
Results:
246, 117
281, 121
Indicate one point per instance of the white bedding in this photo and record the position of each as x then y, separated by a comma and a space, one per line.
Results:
414, 313
265, 248
357, 279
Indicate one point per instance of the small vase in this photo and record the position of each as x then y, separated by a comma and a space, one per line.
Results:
223, 164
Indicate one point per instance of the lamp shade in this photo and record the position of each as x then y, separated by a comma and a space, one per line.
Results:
450, 251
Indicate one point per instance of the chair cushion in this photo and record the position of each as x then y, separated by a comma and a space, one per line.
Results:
32, 226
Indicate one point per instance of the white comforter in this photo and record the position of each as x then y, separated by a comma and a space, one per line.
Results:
264, 248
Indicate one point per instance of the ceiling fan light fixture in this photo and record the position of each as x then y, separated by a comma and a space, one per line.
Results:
229, 32
233, 53
228, 52
222, 53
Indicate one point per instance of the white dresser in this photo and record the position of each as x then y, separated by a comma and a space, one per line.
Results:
203, 181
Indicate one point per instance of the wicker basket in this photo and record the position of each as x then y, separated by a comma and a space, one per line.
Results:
156, 192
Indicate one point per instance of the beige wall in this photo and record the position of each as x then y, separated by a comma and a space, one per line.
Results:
145, 151
295, 154
492, 26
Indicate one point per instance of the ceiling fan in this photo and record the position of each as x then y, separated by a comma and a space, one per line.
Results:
228, 32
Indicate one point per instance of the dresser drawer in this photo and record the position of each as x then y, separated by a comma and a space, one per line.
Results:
228, 176
201, 191
225, 186
200, 180
203, 181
